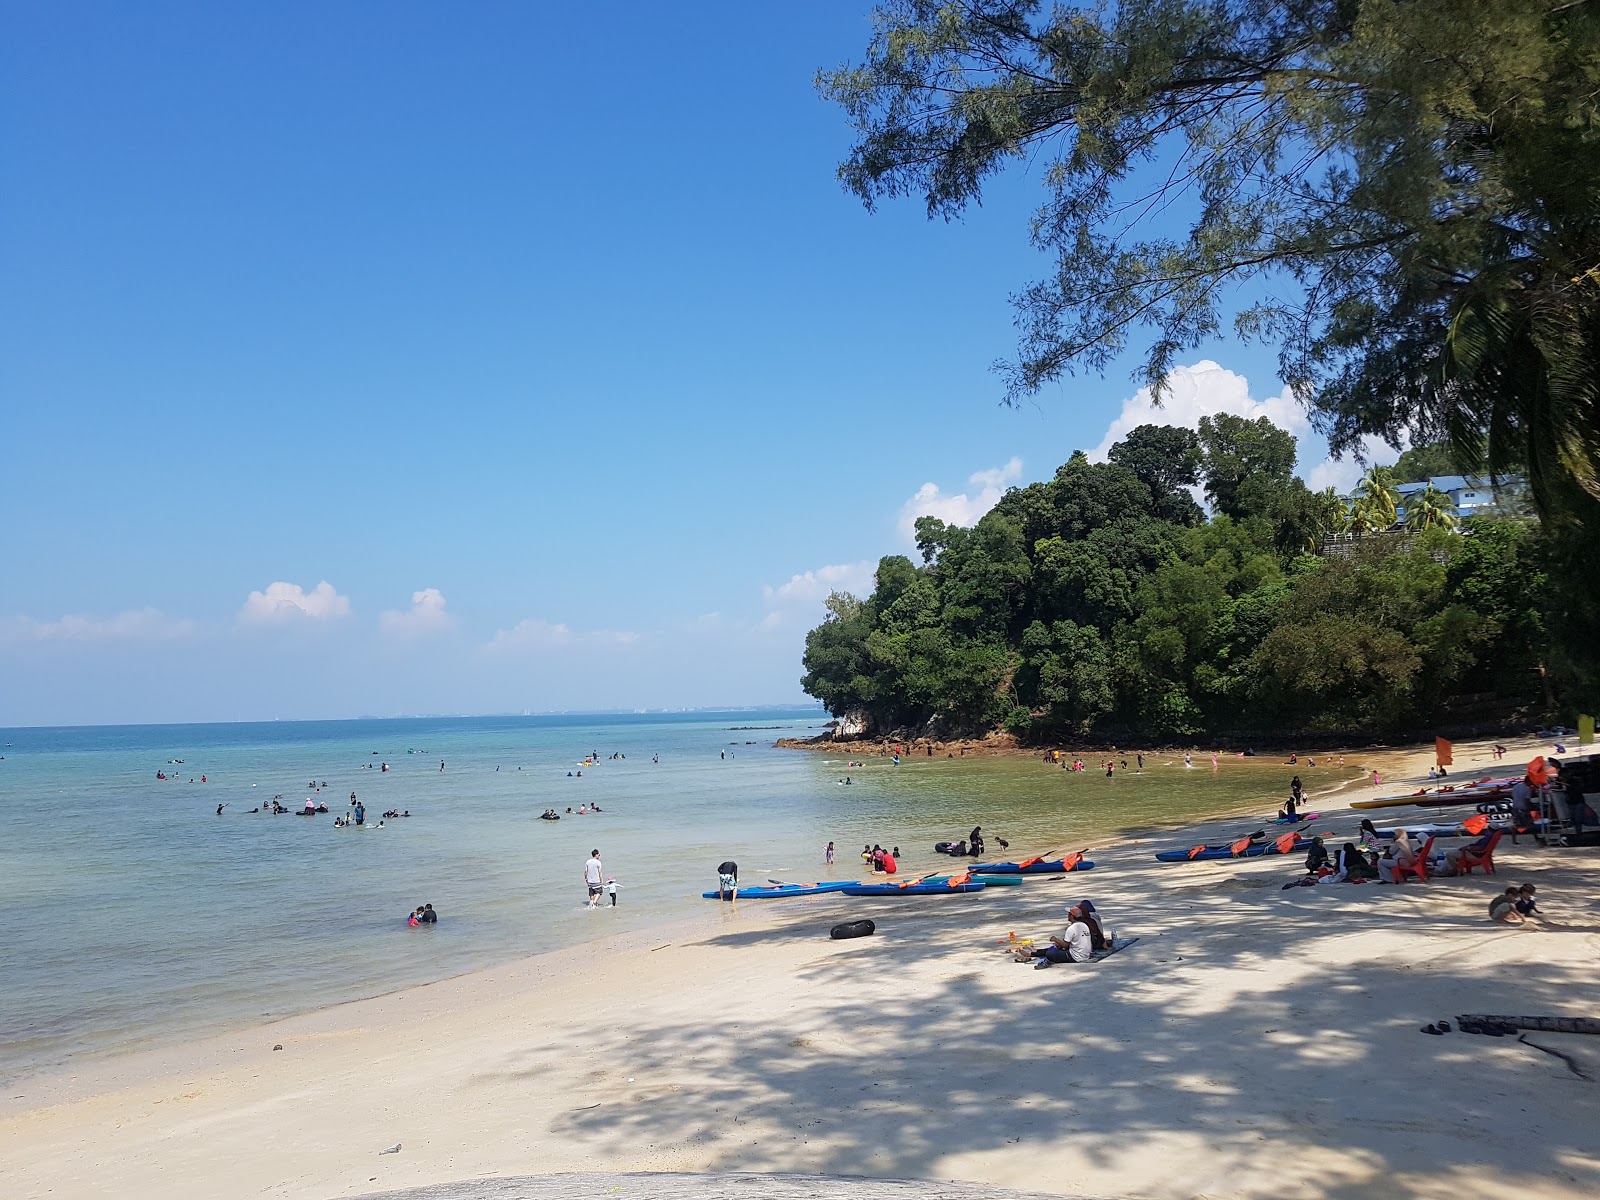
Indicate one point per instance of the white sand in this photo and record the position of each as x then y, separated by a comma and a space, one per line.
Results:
1256, 1042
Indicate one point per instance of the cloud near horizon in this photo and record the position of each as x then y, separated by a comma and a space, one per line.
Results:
1207, 388
960, 508
282, 603
426, 615
534, 633
141, 624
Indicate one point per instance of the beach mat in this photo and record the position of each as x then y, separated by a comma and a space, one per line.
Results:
1115, 946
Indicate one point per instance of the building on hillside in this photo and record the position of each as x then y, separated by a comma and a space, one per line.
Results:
1471, 494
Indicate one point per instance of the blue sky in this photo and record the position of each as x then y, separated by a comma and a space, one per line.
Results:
544, 336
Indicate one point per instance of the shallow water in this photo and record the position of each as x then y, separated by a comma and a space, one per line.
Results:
136, 914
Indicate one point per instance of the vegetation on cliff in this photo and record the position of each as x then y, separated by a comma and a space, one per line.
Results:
1107, 601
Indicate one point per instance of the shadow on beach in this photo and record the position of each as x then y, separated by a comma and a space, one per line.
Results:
1250, 1029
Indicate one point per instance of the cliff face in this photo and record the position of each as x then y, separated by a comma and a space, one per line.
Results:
853, 725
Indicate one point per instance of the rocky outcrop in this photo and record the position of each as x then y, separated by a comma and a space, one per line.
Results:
855, 724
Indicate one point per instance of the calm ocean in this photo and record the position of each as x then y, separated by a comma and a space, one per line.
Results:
137, 915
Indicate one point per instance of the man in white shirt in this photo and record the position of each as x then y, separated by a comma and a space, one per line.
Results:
1076, 941
594, 878
1075, 945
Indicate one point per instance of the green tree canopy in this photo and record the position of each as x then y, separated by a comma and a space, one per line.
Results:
1411, 187
1094, 604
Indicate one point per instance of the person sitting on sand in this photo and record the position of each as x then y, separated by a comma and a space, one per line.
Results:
1503, 908
1369, 834
1074, 946
1090, 917
1526, 905
1317, 856
1352, 866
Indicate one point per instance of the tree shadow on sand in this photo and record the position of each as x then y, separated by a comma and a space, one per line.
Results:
1255, 1041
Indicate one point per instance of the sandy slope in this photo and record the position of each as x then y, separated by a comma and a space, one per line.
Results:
1256, 1042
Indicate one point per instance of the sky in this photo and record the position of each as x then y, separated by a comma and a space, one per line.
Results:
409, 358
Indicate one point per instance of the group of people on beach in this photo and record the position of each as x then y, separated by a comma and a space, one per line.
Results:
1079, 942
883, 862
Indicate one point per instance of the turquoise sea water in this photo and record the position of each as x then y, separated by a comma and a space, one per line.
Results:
137, 915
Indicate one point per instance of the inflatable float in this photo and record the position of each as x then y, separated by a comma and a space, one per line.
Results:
852, 929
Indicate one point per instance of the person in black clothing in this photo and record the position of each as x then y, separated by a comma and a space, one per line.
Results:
727, 880
975, 842
428, 916
1317, 856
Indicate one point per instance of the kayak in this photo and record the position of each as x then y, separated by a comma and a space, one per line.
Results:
1211, 853
915, 889
1440, 797
991, 880
1446, 801
1445, 831
1050, 867
787, 889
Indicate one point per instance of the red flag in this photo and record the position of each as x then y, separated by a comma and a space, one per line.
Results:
1441, 749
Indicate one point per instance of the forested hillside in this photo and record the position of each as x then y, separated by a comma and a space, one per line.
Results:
1106, 602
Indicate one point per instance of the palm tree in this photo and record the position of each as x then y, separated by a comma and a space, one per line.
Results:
1379, 496
1333, 512
1431, 508
1365, 517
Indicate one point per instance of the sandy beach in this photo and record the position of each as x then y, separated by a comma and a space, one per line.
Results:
1254, 1042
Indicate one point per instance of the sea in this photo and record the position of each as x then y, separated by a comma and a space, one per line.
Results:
137, 915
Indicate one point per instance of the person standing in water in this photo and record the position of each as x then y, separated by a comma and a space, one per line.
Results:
594, 877
828, 854
441, 766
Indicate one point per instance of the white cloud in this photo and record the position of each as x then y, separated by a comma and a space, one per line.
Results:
1343, 474
426, 615
143, 624
801, 598
1207, 388
1202, 391
960, 508
533, 634
285, 602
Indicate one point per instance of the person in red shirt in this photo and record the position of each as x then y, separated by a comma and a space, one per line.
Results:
889, 865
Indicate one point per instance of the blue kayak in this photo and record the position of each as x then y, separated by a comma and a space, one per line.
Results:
915, 889
1049, 867
787, 889
1215, 852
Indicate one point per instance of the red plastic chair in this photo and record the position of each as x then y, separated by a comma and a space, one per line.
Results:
1482, 858
1418, 866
